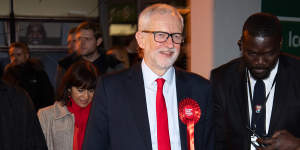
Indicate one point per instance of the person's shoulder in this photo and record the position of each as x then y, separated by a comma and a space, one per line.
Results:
290, 60
190, 76
11, 89
49, 112
117, 75
229, 69
48, 109
68, 60
46, 115
192, 81
15, 94
289, 66
228, 73
231, 65
9, 67
34, 63
68, 57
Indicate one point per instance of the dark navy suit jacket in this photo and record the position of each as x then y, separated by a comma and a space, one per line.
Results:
231, 103
119, 120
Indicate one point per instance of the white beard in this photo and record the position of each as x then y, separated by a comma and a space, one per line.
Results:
164, 63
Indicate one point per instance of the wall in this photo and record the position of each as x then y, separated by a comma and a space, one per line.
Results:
201, 52
215, 29
229, 18
4, 8
53, 8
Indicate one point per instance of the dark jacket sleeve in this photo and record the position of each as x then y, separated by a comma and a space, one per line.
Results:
19, 126
218, 114
209, 125
34, 135
47, 92
97, 131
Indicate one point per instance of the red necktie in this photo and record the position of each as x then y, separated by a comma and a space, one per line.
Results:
163, 138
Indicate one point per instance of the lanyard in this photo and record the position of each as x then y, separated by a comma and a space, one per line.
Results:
250, 91
251, 96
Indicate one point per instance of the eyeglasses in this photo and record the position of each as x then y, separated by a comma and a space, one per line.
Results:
161, 37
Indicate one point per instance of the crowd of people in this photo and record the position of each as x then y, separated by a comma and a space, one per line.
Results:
102, 102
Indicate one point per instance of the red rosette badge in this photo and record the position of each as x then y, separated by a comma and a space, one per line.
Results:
189, 114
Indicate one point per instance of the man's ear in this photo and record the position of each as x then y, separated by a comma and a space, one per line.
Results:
140, 39
99, 41
239, 43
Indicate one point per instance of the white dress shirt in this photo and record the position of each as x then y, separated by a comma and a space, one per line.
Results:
268, 84
169, 92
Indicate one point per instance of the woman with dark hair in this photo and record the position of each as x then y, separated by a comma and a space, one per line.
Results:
64, 122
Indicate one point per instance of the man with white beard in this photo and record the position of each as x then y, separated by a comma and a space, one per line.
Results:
140, 108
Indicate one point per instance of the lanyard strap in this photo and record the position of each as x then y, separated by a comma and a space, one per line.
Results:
250, 90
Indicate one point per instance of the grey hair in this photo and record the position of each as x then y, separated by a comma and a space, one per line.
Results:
158, 8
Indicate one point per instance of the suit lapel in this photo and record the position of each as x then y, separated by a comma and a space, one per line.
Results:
238, 90
243, 98
281, 90
138, 103
180, 87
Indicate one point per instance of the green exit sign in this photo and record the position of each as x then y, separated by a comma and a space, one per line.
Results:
291, 37
289, 16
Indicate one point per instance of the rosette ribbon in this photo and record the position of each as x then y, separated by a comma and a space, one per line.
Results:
189, 114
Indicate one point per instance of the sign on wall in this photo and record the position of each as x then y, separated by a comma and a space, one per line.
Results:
289, 15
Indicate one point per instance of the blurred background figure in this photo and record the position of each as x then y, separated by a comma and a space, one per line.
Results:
19, 125
73, 105
121, 54
71, 40
133, 53
88, 41
51, 61
18, 53
29, 74
3, 62
35, 34
52, 64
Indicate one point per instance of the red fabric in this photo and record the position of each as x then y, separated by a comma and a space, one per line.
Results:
163, 138
81, 118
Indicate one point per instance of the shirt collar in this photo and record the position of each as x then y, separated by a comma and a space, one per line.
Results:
150, 77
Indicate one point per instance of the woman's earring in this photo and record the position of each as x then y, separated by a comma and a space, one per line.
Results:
69, 93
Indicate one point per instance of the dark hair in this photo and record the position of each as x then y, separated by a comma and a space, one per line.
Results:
90, 26
21, 45
81, 74
262, 24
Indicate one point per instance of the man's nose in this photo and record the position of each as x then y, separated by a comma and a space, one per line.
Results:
260, 60
170, 42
